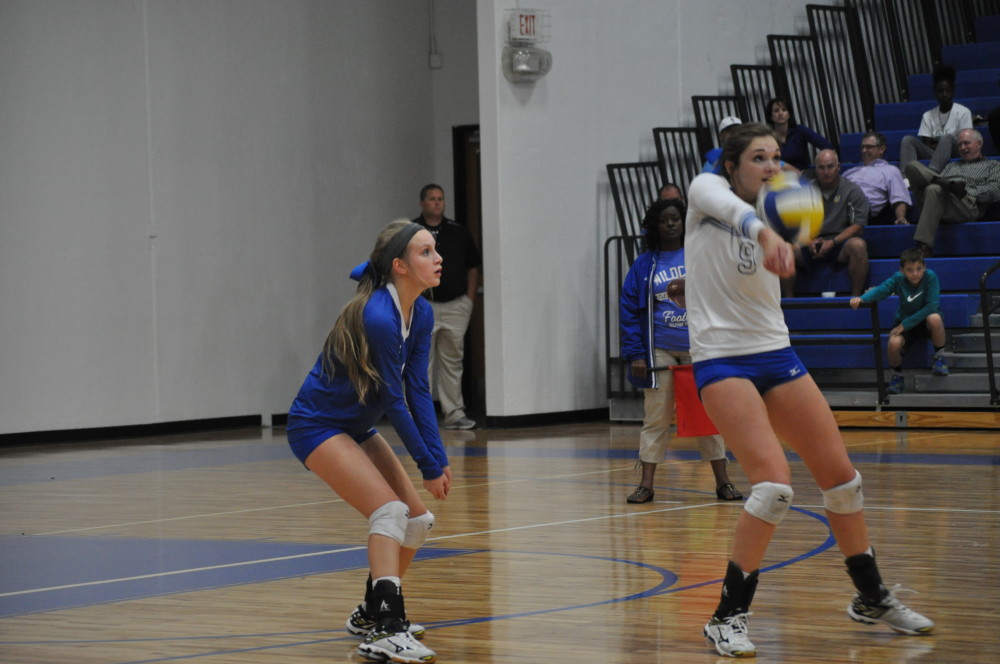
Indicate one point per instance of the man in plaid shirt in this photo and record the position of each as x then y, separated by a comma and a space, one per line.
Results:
961, 192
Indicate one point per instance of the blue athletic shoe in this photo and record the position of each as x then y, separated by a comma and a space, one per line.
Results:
895, 384
940, 367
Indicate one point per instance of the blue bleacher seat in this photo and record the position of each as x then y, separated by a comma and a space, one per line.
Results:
968, 83
890, 117
957, 274
972, 239
971, 56
956, 308
987, 28
850, 144
861, 356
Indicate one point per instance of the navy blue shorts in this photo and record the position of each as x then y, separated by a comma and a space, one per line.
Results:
764, 370
305, 438
911, 336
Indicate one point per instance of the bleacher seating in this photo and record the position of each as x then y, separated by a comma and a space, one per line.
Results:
830, 337
971, 56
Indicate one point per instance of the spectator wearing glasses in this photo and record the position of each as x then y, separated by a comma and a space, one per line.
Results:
881, 182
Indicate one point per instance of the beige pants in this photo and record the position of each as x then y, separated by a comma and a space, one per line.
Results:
655, 435
451, 320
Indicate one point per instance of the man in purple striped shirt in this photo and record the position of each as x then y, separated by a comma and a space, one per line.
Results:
882, 183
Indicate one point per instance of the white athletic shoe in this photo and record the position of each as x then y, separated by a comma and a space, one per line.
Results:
730, 636
362, 625
399, 647
890, 611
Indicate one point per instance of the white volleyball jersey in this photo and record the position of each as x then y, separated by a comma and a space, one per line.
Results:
733, 303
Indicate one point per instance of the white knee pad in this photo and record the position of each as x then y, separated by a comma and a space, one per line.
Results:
846, 498
390, 520
769, 501
417, 530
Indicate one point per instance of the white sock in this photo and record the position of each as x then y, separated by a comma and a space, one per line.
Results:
394, 579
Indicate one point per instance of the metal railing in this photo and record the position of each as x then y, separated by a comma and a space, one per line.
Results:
988, 308
826, 338
634, 186
678, 154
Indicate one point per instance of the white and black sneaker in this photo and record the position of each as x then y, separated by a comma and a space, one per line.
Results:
730, 636
890, 611
361, 624
383, 644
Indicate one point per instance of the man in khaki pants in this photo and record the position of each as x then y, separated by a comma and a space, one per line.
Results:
452, 302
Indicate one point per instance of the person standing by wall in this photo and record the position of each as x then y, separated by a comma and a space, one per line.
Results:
452, 302
654, 333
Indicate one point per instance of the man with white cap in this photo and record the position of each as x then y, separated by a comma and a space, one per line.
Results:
712, 156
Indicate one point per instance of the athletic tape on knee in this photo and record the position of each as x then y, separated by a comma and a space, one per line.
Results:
846, 498
417, 529
390, 521
769, 501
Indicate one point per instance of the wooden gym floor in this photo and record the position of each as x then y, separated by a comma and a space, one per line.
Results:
221, 549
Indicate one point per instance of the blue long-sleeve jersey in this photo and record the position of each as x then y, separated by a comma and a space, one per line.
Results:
403, 393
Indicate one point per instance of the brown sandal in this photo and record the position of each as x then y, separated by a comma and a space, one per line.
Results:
640, 495
727, 491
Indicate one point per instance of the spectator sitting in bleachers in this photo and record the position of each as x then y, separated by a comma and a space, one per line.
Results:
939, 127
793, 138
918, 315
961, 192
726, 126
881, 182
845, 214
669, 190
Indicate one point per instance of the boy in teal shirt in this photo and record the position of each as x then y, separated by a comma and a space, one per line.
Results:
918, 315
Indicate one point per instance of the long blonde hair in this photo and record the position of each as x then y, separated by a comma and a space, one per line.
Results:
347, 341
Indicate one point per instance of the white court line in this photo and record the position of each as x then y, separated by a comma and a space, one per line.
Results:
442, 537
318, 502
354, 548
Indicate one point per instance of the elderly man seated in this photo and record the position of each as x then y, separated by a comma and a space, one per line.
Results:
961, 192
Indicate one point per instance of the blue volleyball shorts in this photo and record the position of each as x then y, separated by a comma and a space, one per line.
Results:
764, 370
305, 438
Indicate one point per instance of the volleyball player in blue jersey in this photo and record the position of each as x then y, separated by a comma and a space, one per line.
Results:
374, 362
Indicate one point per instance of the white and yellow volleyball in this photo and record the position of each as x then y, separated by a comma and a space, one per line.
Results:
793, 210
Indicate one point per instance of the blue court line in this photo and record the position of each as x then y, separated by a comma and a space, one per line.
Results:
47, 573
664, 586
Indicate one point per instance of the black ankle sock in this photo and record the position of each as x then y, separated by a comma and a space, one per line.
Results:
737, 591
867, 579
387, 606
369, 596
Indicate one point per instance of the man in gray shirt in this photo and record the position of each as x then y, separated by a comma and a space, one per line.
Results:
845, 214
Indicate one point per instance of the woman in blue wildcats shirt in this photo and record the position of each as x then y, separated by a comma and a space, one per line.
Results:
654, 333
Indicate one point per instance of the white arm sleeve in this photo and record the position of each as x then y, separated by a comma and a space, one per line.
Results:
711, 196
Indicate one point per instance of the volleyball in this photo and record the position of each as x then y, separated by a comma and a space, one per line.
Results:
794, 211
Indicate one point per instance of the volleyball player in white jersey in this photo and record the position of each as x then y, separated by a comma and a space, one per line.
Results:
757, 392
